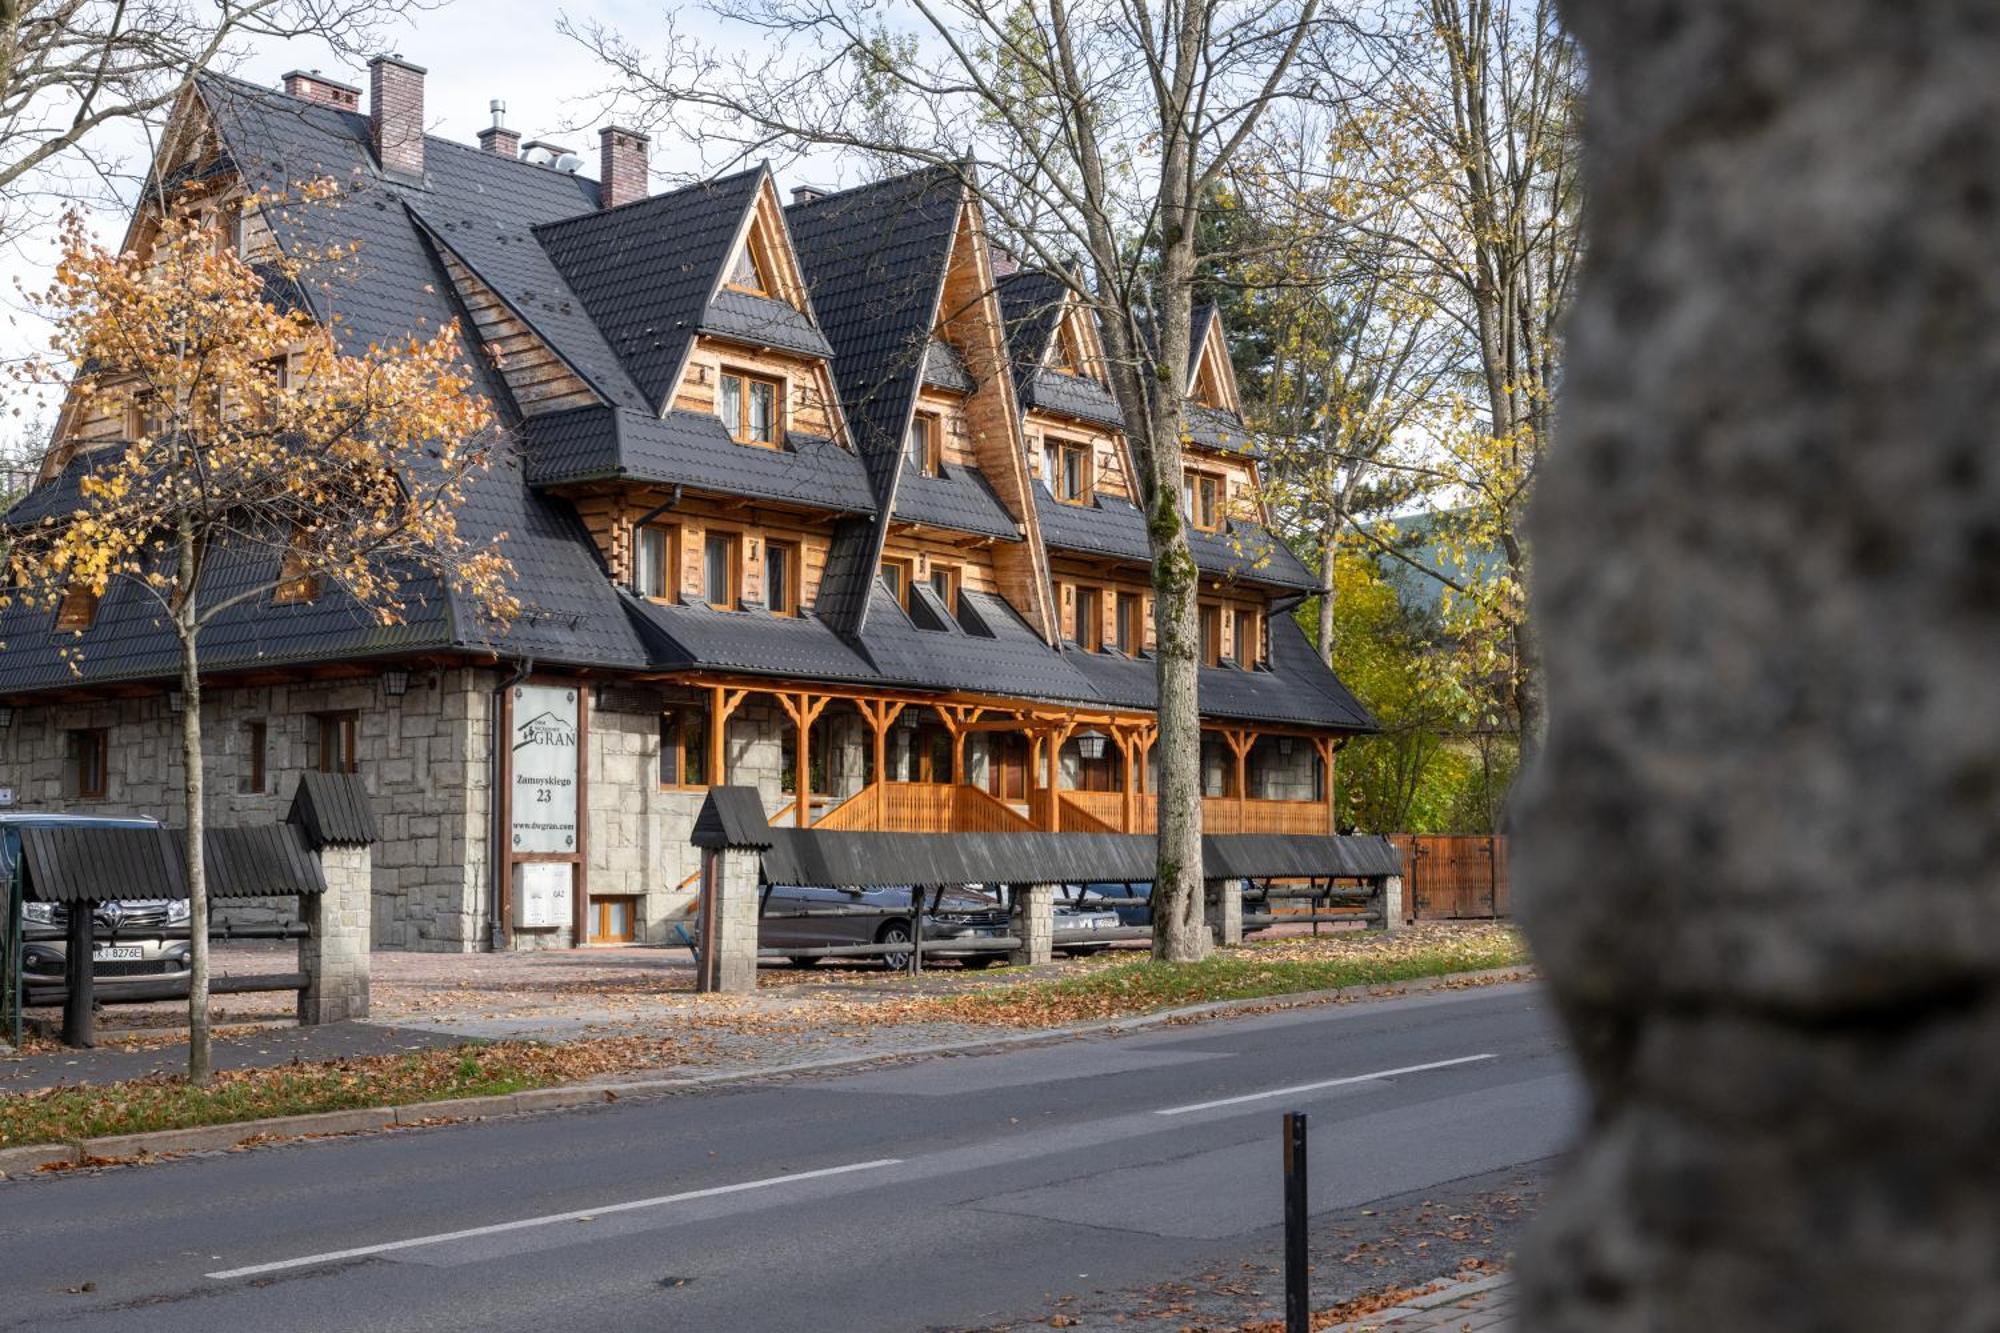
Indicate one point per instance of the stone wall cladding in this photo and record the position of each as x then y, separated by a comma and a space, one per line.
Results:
335, 958
422, 758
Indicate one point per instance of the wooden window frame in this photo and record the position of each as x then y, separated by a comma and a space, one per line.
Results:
93, 779
761, 280
785, 555
906, 569
669, 571
675, 738
1130, 625
1208, 620
951, 585
1196, 482
1088, 630
733, 569
739, 429
339, 739
600, 914
929, 459
77, 610
1055, 453
257, 745
1247, 619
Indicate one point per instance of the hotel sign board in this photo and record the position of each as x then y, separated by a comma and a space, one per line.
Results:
544, 763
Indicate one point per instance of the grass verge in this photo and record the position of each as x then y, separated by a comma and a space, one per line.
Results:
72, 1112
1267, 968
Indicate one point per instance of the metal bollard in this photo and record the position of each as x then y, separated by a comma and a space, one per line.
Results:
1298, 1287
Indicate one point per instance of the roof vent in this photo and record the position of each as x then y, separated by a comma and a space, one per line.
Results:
545, 154
568, 163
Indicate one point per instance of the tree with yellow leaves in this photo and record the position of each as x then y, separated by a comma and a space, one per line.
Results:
260, 461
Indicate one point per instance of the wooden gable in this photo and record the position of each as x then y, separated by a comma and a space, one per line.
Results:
969, 318
763, 262
1212, 380
536, 376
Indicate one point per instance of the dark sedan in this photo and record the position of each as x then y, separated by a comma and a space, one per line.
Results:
815, 916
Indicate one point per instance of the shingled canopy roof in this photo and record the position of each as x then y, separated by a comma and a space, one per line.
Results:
72, 863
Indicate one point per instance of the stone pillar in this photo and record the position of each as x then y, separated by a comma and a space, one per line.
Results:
1389, 896
729, 921
334, 956
1033, 923
1225, 910
1757, 858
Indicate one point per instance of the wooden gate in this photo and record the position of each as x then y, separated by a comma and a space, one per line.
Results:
1453, 877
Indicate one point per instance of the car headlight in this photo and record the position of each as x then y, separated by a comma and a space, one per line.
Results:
40, 914
177, 912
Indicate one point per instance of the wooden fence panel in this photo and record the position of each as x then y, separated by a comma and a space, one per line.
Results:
1453, 877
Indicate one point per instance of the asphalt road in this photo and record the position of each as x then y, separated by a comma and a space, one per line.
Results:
954, 1192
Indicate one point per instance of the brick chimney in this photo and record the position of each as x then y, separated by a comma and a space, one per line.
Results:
396, 112
805, 194
621, 170
312, 86
497, 138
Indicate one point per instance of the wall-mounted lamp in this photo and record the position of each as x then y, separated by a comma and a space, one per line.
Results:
1285, 746
175, 701
1091, 745
6, 716
395, 682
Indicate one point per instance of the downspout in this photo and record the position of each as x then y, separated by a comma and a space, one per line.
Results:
496, 850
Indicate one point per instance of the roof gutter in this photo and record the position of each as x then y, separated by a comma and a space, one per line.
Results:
496, 847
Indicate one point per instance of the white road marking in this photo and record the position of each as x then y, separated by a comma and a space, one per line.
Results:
1324, 1083
578, 1215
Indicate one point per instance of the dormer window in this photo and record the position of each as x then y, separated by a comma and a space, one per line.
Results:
749, 406
1201, 500
1067, 465
77, 610
897, 575
656, 560
746, 275
923, 447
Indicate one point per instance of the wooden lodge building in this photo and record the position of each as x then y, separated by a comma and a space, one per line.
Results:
811, 497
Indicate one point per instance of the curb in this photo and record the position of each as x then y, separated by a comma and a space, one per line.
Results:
210, 1138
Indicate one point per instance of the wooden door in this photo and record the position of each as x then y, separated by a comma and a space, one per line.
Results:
1007, 766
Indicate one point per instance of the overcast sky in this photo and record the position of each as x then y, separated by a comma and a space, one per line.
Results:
475, 51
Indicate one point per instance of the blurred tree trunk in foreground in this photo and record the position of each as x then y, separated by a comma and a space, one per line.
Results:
1761, 859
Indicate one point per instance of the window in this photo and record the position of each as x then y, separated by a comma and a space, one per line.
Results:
656, 560
898, 575
145, 416
684, 747
1249, 645
336, 743
613, 919
945, 582
1211, 636
747, 274
277, 372
256, 746
1088, 630
90, 761
1131, 629
924, 447
749, 405
1201, 499
295, 585
781, 578
1068, 467
720, 570
78, 609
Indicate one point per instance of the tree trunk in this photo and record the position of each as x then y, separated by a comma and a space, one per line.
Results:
200, 1069
1758, 859
1327, 549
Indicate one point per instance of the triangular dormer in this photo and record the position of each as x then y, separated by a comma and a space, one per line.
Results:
1074, 348
763, 262
1211, 375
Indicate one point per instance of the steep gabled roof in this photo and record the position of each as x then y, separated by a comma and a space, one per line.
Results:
646, 271
1034, 302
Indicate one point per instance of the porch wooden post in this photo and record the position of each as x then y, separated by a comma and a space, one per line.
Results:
1127, 744
1240, 743
718, 723
1052, 762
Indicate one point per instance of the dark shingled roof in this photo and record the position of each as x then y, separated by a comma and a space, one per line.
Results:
759, 321
1297, 687
332, 810
734, 817
1242, 550
645, 271
1032, 302
960, 499
754, 642
692, 449
1013, 659
70, 863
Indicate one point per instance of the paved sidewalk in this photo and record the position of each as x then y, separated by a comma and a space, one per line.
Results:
1484, 1306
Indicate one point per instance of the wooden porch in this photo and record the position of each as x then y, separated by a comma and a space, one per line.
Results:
1112, 751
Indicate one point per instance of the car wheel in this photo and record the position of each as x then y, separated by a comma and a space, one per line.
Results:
979, 962
895, 932
803, 963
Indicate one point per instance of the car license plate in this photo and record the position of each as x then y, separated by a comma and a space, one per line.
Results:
119, 953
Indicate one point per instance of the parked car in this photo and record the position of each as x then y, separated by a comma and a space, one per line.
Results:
1134, 902
130, 951
1075, 916
812, 917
